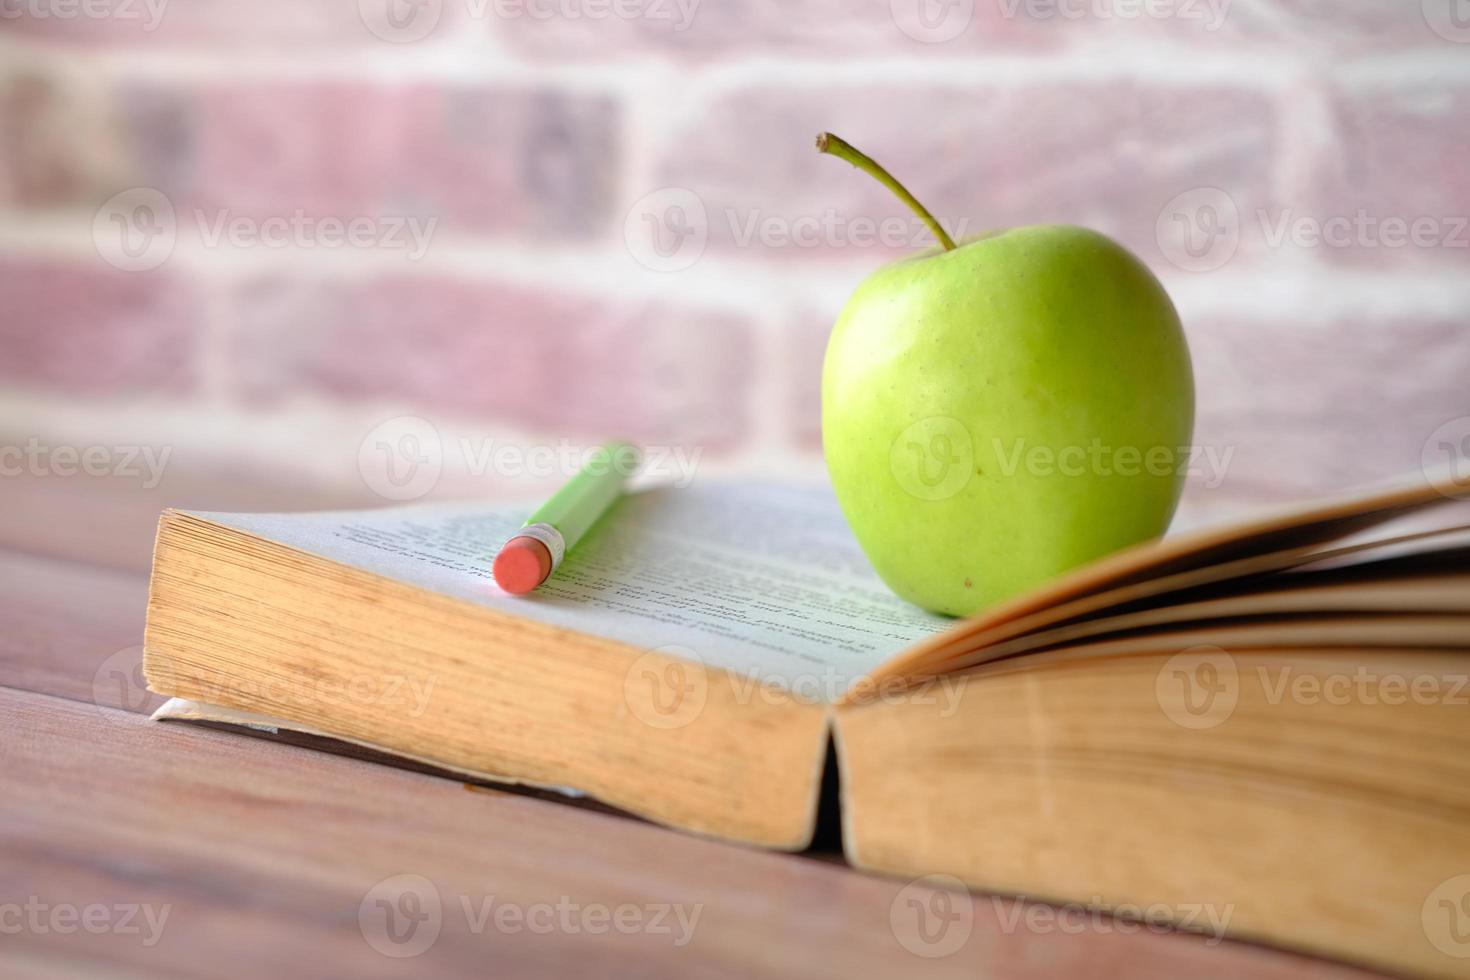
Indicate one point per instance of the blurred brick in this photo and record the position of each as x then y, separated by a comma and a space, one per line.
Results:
807, 342
694, 30
699, 29
1313, 407
1402, 158
162, 128
628, 30
1361, 27
87, 329
1107, 154
266, 24
575, 365
58, 142
537, 163
534, 162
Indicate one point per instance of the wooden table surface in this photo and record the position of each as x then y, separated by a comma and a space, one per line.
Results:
131, 848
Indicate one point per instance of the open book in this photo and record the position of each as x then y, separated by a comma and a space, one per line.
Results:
1268, 721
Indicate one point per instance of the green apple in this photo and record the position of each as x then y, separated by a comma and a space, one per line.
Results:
997, 412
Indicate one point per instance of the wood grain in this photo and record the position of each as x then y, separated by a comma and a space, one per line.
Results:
73, 630
265, 854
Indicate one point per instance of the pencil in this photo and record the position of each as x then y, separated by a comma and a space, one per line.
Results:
536, 550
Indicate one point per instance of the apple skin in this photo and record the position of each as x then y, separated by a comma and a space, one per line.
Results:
951, 374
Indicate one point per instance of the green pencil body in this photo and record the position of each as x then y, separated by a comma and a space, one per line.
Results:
574, 508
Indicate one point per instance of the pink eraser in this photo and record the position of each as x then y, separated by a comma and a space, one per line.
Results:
522, 564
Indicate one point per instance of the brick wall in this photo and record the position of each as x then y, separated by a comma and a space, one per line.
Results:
270, 236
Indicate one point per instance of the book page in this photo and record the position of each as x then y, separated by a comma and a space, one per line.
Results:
765, 581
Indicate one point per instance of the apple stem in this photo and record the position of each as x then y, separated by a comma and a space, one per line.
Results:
843, 150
